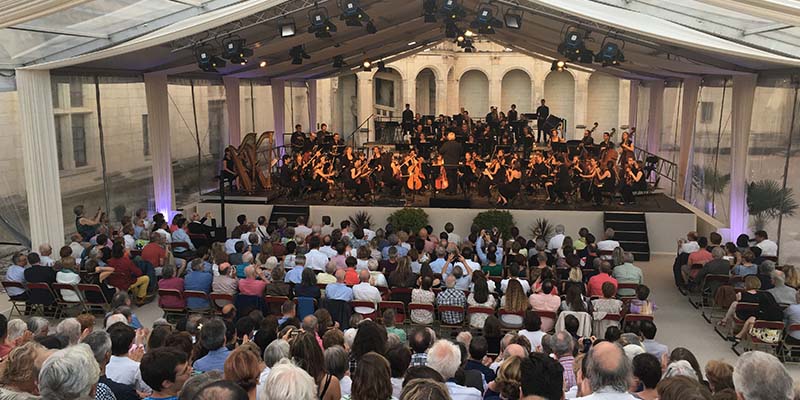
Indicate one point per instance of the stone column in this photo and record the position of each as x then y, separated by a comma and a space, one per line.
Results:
691, 88
495, 94
366, 105
410, 94
442, 99
233, 105
155, 86
40, 158
633, 103
581, 107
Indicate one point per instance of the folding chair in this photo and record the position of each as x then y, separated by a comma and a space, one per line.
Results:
503, 326
198, 294
215, 297
477, 310
455, 309
789, 344
365, 304
15, 304
754, 343
164, 294
399, 308
614, 319
423, 307
274, 303
43, 290
627, 286
94, 298
58, 290
739, 323
695, 294
385, 293
635, 317
707, 302
402, 295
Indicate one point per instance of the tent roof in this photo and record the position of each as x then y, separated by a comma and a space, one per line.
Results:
655, 47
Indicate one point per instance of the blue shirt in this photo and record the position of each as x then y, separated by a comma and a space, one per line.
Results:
401, 251
181, 236
482, 255
295, 275
162, 398
16, 274
213, 361
338, 291
437, 265
201, 281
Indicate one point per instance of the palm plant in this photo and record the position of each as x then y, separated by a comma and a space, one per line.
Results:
362, 220
767, 200
710, 183
542, 228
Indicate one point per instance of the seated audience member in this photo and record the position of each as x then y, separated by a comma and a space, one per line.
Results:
251, 285
508, 381
480, 297
288, 311
514, 301
478, 348
165, 370
641, 304
155, 252
765, 270
198, 279
513, 274
546, 301
445, 358
533, 330
718, 265
69, 374
647, 374
759, 375
339, 290
595, 285
366, 292
768, 247
783, 294
170, 281
720, 376
542, 377
451, 296
37, 273
329, 276
20, 372
699, 257
127, 276
399, 357
402, 277
608, 243
212, 338
746, 267
277, 286
16, 273
287, 381
419, 341
627, 272
244, 367
648, 329
308, 285
423, 295
792, 317
181, 235
607, 304
372, 379
69, 329
574, 300
295, 275
768, 310
607, 372
226, 281
68, 275
389, 321
100, 343
126, 351
227, 390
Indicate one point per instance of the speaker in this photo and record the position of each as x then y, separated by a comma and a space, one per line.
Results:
442, 202
551, 122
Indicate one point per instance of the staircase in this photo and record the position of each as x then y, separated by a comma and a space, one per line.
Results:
289, 212
630, 230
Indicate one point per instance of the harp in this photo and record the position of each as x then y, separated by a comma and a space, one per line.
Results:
252, 158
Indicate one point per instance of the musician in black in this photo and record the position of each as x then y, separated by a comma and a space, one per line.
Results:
359, 176
298, 140
562, 184
512, 113
228, 172
408, 120
606, 141
542, 113
322, 134
451, 152
587, 139
632, 181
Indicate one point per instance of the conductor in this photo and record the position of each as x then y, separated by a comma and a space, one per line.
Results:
542, 113
408, 120
451, 152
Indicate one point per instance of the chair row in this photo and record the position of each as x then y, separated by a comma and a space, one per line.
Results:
91, 298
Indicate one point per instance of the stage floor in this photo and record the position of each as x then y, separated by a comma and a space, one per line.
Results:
656, 202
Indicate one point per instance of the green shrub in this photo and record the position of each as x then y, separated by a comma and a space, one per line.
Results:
409, 219
503, 220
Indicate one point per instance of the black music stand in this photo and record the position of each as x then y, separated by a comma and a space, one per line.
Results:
559, 147
402, 147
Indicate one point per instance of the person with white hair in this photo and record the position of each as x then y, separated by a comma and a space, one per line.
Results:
445, 358
45, 253
366, 292
69, 374
114, 318
287, 381
276, 351
377, 277
782, 293
17, 333
608, 244
761, 376
70, 328
39, 326
557, 240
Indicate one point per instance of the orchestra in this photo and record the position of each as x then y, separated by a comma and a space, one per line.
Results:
497, 159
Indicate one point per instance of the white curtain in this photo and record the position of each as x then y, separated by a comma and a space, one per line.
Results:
691, 89
655, 116
744, 90
40, 155
312, 104
155, 86
633, 103
233, 108
279, 110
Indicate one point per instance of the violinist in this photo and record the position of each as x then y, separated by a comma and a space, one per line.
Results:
509, 188
603, 182
562, 184
451, 152
359, 175
555, 138
468, 172
391, 176
539, 171
587, 185
632, 181
626, 145
323, 177
347, 160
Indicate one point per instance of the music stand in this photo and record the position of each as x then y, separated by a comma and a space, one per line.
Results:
559, 147
402, 147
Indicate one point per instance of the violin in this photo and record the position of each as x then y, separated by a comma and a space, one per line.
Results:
415, 176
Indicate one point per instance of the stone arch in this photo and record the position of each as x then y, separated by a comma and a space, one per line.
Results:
473, 92
426, 93
603, 101
559, 92
516, 89
388, 92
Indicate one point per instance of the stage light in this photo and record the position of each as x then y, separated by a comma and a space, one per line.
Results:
558, 65
381, 66
262, 64
573, 46
513, 19
235, 50
371, 29
207, 61
354, 15
321, 25
451, 30
366, 66
338, 62
460, 39
298, 53
485, 21
412, 43
429, 10
452, 10
610, 54
288, 29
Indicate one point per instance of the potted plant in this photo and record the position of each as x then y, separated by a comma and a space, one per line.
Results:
362, 220
409, 219
542, 228
502, 220
767, 200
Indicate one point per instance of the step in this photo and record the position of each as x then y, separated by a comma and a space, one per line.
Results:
624, 216
625, 236
626, 226
636, 247
641, 256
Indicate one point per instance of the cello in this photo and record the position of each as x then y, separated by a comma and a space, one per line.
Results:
441, 182
415, 176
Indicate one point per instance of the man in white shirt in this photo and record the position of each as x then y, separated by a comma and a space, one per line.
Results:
445, 358
326, 248
452, 237
557, 240
612, 369
315, 259
768, 247
513, 273
76, 246
230, 245
123, 367
301, 229
327, 227
365, 292
690, 245
609, 244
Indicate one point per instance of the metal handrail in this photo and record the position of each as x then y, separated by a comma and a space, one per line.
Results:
664, 168
352, 135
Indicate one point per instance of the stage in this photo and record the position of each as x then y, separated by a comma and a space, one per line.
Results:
666, 219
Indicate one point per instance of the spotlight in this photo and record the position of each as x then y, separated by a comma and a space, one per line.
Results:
262, 64
321, 25
298, 53
288, 29
235, 50
338, 62
460, 39
366, 66
371, 29
429, 10
451, 30
573, 46
452, 10
381, 66
513, 19
485, 22
558, 65
353, 14
206, 61
610, 54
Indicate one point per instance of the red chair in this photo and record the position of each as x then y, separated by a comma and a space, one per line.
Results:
274, 303
548, 314
384, 292
164, 294
59, 288
175, 245
423, 307
215, 297
496, 279
479, 310
398, 307
15, 304
94, 298
198, 294
453, 309
597, 326
502, 312
365, 304
749, 308
636, 317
